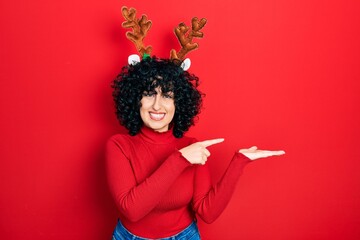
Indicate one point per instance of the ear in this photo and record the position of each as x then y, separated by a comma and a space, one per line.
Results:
186, 64
133, 59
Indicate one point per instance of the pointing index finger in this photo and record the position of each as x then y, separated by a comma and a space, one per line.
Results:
208, 143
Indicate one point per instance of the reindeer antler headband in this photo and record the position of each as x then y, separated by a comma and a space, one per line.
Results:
140, 28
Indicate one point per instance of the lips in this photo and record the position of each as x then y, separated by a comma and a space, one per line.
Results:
157, 116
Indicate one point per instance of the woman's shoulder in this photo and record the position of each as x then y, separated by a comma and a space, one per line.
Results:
122, 142
120, 139
123, 136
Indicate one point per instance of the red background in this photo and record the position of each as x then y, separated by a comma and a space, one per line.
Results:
278, 74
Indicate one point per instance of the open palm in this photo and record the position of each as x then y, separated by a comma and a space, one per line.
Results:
253, 153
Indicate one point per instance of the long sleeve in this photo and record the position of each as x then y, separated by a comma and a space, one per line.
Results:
135, 200
210, 201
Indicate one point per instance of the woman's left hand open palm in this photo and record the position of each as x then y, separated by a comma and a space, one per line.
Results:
253, 153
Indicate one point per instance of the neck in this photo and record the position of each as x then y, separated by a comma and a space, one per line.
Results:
155, 137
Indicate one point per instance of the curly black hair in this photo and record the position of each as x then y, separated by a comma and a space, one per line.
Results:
145, 76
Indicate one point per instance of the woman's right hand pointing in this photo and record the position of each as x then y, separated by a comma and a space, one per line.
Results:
197, 153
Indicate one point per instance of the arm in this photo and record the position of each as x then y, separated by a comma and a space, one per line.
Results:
136, 200
210, 201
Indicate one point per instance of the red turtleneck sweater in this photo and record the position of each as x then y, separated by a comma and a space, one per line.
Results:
157, 191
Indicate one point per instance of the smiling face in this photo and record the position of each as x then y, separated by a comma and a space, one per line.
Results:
157, 109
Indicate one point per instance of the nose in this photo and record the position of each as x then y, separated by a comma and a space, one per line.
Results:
157, 102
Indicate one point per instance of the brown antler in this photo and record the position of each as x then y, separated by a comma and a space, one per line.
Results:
186, 39
140, 27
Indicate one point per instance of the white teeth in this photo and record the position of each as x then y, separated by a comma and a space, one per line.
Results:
157, 116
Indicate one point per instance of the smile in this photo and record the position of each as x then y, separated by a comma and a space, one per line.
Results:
157, 116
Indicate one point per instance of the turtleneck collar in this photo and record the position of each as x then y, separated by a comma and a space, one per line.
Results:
151, 136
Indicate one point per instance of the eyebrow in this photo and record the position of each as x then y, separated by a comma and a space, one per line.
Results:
169, 93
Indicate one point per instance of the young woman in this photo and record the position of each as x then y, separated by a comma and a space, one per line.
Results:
157, 176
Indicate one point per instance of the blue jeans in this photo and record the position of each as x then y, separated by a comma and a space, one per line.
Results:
189, 233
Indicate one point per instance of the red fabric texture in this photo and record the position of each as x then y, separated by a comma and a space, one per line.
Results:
157, 191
